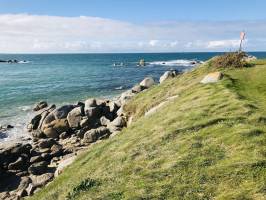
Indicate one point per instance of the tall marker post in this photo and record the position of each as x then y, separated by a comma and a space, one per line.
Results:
242, 37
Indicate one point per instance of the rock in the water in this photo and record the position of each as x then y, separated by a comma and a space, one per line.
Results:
38, 168
40, 105
212, 77
74, 117
147, 82
167, 75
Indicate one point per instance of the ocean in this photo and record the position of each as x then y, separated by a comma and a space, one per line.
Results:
69, 78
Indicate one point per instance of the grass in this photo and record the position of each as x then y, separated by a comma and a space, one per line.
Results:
209, 143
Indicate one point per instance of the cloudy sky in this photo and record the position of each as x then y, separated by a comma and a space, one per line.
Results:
33, 27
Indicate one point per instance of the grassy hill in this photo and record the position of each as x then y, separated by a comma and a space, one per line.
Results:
209, 143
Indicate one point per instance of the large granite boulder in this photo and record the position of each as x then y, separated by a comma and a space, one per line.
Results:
95, 134
147, 82
74, 117
55, 128
212, 77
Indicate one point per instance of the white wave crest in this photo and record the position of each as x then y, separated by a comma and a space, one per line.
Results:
181, 62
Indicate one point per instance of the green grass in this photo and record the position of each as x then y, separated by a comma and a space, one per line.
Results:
209, 143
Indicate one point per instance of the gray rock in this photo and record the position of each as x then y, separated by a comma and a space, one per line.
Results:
104, 121
147, 82
38, 168
137, 88
74, 117
46, 143
126, 96
94, 134
167, 75
40, 105
30, 189
55, 128
39, 181
119, 122
19, 164
212, 77
35, 159
90, 103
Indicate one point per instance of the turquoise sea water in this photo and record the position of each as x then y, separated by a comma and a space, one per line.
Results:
68, 78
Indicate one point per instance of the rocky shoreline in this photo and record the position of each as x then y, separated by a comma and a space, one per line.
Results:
57, 136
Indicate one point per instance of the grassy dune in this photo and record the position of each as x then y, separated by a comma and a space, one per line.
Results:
209, 143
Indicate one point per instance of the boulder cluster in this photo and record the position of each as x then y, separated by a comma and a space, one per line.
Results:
58, 134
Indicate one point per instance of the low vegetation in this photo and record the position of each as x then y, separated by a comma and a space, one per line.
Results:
230, 60
209, 143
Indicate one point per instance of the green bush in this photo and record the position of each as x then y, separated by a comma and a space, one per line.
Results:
230, 60
84, 185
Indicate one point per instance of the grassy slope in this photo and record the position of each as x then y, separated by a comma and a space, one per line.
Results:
209, 143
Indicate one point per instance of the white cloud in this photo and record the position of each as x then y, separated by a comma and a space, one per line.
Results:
35, 33
223, 44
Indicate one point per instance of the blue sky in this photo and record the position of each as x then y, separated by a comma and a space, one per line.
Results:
142, 10
130, 25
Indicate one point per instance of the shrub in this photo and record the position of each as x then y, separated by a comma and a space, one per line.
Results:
84, 185
230, 60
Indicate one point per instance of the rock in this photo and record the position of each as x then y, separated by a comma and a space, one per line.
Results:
37, 134
119, 122
50, 133
125, 96
56, 150
92, 112
40, 105
74, 117
94, 134
63, 164
24, 183
104, 121
113, 107
10, 152
46, 143
30, 189
147, 82
35, 159
137, 88
212, 77
64, 135
55, 128
38, 168
39, 181
90, 136
9, 126
21, 193
19, 164
120, 112
57, 114
84, 122
62, 112
90, 103
167, 75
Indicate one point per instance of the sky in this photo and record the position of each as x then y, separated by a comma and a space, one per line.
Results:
87, 26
